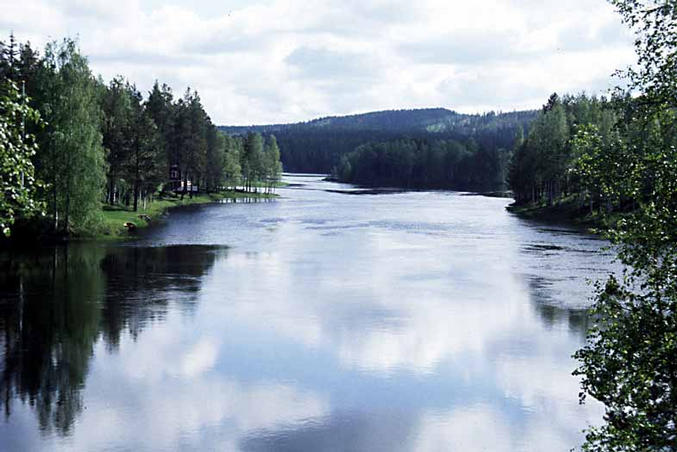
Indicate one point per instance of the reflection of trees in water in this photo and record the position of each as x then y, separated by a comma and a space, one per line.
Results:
141, 281
246, 200
49, 320
551, 313
54, 303
576, 320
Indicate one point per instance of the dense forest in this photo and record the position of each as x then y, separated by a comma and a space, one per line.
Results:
317, 146
548, 164
536, 154
71, 142
425, 163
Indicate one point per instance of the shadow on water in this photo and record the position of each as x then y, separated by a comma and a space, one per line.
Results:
576, 320
546, 302
56, 303
140, 282
367, 191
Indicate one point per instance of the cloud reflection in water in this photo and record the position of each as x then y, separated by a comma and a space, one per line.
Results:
421, 331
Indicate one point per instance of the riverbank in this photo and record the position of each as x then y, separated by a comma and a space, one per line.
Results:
565, 211
119, 221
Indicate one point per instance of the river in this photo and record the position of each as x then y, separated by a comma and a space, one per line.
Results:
328, 319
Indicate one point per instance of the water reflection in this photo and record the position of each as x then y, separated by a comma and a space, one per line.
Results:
55, 303
574, 320
49, 319
140, 282
246, 200
354, 432
412, 321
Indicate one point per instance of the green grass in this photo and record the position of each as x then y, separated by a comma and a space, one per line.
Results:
114, 218
278, 184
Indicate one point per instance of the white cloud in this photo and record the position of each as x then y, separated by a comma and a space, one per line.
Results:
199, 359
287, 60
484, 428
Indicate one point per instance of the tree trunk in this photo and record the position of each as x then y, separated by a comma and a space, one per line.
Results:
111, 191
55, 211
68, 195
137, 176
136, 196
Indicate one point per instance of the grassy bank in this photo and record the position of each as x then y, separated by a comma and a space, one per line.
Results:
278, 184
116, 217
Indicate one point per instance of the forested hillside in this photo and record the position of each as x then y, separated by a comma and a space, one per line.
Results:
318, 145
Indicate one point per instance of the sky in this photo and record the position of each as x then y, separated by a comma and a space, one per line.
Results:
280, 61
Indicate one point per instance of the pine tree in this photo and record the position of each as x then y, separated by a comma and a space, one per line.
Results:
161, 109
145, 166
118, 101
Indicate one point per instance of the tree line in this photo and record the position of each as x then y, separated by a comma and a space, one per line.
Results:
546, 164
71, 142
425, 163
318, 146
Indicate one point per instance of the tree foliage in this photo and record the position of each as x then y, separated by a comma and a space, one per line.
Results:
544, 163
17, 173
425, 163
70, 151
318, 146
630, 360
105, 143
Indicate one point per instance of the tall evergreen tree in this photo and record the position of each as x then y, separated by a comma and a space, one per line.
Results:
161, 109
104, 143
118, 103
145, 167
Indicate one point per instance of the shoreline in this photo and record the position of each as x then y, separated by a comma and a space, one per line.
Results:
112, 220
564, 212
117, 220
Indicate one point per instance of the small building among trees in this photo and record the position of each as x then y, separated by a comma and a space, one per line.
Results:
177, 184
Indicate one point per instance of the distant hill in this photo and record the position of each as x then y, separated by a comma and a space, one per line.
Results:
378, 120
317, 145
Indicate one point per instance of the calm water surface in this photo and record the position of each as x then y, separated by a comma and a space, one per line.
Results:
325, 320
